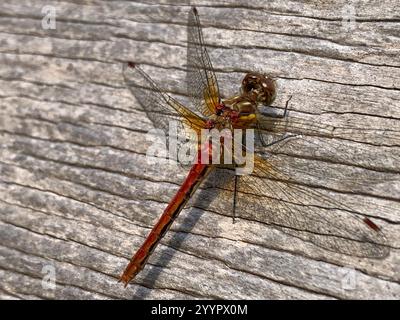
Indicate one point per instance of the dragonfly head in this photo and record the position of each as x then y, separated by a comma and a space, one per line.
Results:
261, 88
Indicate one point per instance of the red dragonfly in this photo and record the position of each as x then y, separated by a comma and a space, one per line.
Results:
271, 193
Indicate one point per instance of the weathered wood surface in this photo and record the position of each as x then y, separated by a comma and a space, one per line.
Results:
76, 190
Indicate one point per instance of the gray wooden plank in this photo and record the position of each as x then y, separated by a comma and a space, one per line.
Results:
77, 192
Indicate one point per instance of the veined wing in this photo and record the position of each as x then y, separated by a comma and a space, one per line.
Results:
160, 108
341, 143
273, 194
202, 85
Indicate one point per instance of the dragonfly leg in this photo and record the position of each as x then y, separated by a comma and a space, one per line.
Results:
285, 112
286, 106
268, 144
285, 137
280, 116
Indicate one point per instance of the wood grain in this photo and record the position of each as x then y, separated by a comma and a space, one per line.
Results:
78, 194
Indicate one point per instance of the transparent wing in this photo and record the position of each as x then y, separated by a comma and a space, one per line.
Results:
341, 143
180, 125
160, 108
202, 85
289, 196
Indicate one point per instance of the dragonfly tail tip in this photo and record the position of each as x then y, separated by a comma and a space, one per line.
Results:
371, 224
124, 280
131, 64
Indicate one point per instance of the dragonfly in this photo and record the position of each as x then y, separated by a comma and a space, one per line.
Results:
271, 193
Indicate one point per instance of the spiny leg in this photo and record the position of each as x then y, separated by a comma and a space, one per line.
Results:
265, 144
285, 112
286, 107
288, 136
279, 116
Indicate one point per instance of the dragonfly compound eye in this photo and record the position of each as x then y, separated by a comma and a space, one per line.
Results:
260, 88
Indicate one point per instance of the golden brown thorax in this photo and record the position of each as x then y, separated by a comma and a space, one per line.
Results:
256, 88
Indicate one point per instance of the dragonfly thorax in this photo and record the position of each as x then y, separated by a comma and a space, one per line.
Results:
224, 117
245, 109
